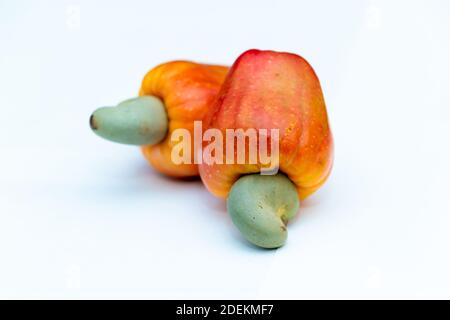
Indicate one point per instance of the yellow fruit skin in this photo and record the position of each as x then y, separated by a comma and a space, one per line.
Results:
188, 90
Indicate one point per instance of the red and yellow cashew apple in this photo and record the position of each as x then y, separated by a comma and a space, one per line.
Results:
271, 90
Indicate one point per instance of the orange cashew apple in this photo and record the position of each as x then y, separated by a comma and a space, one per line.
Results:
172, 95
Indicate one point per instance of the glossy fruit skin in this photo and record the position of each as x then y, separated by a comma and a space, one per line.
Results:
187, 90
274, 90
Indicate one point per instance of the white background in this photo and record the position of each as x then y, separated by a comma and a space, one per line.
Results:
84, 218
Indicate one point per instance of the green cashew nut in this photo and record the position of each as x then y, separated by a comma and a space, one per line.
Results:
260, 207
138, 121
